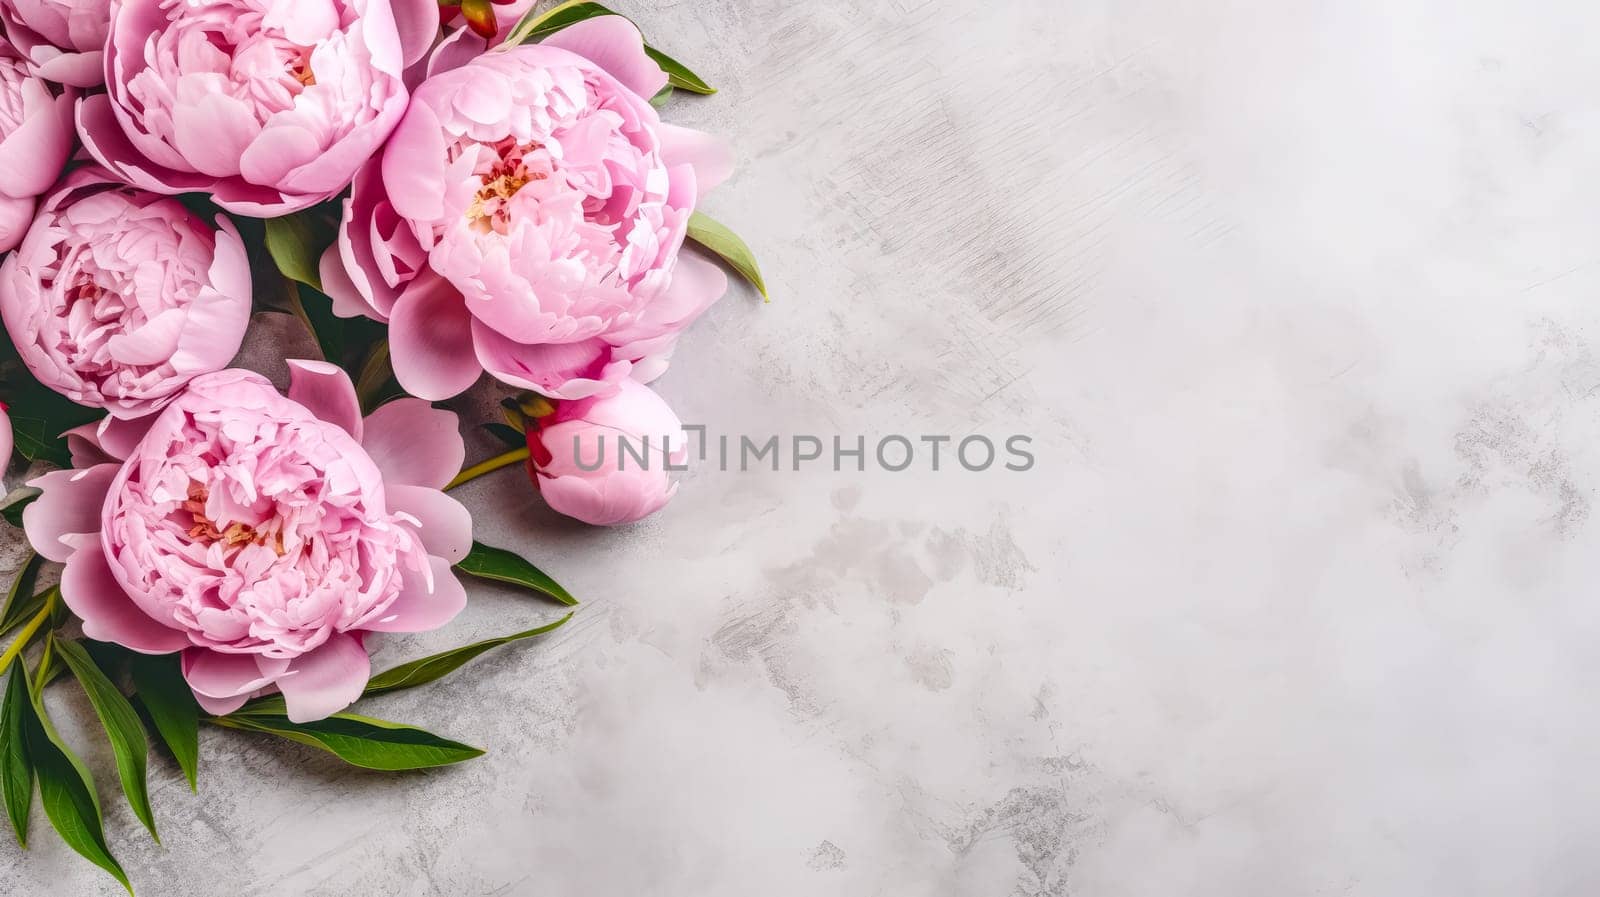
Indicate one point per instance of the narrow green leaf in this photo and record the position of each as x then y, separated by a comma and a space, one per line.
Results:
409, 675
12, 506
375, 382
66, 789
122, 727
678, 74
535, 25
661, 97
360, 741
159, 683
488, 562
437, 666
16, 770
715, 236
21, 602
507, 434
297, 248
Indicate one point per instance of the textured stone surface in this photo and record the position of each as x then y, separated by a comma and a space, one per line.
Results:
1297, 301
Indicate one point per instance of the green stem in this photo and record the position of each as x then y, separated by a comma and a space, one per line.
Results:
515, 456
27, 633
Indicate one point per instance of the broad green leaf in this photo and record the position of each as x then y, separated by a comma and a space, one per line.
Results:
12, 506
360, 741
122, 727
172, 709
16, 770
678, 74
715, 236
21, 602
347, 342
488, 562
661, 97
66, 789
296, 244
535, 25
437, 666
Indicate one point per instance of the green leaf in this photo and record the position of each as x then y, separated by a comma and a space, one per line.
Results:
715, 236
507, 434
437, 666
661, 97
296, 245
360, 741
488, 562
535, 25
159, 683
678, 74
21, 602
122, 728
16, 770
347, 342
376, 384
12, 506
66, 789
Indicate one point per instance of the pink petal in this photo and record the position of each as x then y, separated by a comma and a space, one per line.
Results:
325, 390
327, 680
91, 591
710, 155
70, 506
614, 44
430, 337
32, 156
446, 526
16, 216
418, 22
415, 444
559, 370
213, 674
421, 607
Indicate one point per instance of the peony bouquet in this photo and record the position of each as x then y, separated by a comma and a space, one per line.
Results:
444, 193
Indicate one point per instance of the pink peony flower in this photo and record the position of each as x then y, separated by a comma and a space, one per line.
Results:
117, 297
63, 40
526, 219
35, 141
269, 105
606, 460
262, 536
7, 437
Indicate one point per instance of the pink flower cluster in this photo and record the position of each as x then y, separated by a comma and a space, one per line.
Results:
515, 210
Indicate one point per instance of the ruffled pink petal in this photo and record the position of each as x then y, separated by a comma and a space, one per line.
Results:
709, 155
446, 527
421, 605
325, 389
70, 506
414, 443
614, 44
430, 340
327, 680
91, 591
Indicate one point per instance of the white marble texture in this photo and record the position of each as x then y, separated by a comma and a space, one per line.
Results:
1299, 302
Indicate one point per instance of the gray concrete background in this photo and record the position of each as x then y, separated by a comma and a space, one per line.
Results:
1296, 299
